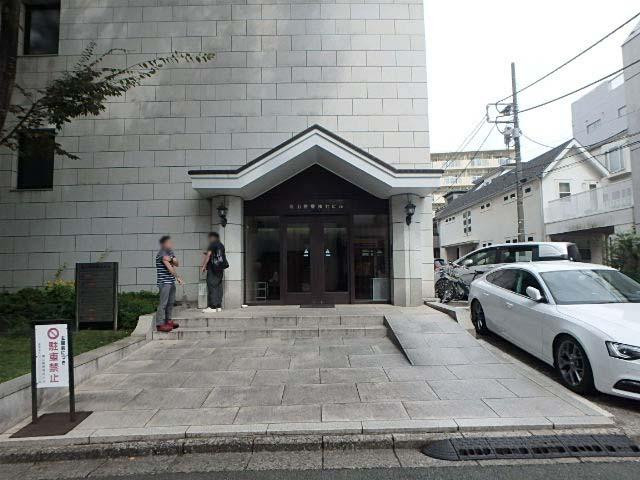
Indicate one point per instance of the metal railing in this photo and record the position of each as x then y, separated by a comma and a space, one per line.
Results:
615, 196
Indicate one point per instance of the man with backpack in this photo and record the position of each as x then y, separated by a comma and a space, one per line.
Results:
215, 263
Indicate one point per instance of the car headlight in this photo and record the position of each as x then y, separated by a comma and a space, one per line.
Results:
625, 352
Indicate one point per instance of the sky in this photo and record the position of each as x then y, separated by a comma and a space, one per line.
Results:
470, 47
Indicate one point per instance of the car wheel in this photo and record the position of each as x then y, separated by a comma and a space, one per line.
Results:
478, 319
572, 364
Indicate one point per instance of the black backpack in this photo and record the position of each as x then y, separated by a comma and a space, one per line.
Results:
219, 259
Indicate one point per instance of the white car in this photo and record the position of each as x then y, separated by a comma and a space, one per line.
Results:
583, 319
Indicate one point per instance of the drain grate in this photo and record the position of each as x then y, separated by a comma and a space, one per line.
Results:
543, 446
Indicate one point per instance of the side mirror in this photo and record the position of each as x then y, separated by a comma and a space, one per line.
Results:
468, 263
534, 294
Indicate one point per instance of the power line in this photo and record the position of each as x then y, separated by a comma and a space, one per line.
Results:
473, 156
575, 57
579, 89
470, 136
535, 141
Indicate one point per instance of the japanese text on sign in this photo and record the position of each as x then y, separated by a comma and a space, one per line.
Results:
52, 356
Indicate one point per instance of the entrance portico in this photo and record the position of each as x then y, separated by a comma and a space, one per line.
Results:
319, 221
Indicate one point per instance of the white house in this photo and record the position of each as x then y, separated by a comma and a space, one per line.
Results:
567, 197
309, 129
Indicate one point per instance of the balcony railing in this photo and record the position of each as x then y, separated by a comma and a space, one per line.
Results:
615, 196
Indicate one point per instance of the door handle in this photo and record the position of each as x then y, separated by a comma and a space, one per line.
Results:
508, 305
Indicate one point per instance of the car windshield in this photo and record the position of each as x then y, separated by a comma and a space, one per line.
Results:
573, 287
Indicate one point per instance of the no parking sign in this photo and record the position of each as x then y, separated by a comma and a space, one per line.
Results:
52, 355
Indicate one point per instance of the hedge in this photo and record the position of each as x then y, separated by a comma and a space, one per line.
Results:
57, 301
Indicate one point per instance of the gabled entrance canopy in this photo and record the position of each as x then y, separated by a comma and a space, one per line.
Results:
315, 145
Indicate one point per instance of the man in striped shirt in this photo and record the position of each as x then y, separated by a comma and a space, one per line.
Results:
167, 275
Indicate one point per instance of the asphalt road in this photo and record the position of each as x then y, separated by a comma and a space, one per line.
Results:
582, 471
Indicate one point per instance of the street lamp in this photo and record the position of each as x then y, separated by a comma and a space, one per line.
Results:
410, 209
222, 213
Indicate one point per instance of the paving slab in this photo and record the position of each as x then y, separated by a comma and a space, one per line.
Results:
449, 409
389, 391
290, 377
193, 416
536, 406
469, 389
279, 414
230, 396
118, 419
320, 393
168, 397
352, 375
220, 378
363, 411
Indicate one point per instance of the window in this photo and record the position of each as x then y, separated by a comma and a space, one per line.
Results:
527, 190
524, 280
466, 222
622, 111
35, 160
483, 257
593, 126
564, 189
503, 278
42, 28
613, 159
530, 239
517, 254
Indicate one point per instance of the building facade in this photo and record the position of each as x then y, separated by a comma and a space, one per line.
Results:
297, 91
463, 169
631, 54
567, 197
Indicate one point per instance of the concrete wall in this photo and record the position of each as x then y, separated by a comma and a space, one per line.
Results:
356, 69
631, 53
602, 103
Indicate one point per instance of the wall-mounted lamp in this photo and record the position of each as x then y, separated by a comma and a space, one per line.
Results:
410, 209
222, 213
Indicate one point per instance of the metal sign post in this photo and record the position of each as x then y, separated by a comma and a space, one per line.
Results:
52, 361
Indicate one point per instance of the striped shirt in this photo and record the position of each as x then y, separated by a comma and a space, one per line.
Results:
163, 274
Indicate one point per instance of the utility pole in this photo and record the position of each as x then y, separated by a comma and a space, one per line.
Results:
508, 114
516, 143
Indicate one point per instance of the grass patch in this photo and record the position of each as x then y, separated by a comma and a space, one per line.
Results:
15, 350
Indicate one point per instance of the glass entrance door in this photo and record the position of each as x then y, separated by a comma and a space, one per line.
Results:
316, 258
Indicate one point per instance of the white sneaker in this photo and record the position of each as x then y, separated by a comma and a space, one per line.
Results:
219, 309
208, 310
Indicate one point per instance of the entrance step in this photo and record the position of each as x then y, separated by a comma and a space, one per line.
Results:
221, 321
324, 331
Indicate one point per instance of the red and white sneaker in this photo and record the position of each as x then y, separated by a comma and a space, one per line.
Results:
173, 324
165, 327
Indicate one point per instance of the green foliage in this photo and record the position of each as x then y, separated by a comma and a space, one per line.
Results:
84, 90
57, 301
624, 254
15, 350
133, 304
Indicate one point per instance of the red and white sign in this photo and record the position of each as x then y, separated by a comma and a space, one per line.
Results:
52, 356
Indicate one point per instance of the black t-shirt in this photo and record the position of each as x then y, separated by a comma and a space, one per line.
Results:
216, 249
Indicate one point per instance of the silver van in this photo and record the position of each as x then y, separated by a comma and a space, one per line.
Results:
481, 261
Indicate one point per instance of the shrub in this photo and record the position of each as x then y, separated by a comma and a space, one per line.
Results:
624, 254
57, 300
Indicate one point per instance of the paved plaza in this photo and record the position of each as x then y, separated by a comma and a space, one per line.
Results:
324, 385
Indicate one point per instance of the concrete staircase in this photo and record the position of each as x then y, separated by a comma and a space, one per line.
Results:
297, 323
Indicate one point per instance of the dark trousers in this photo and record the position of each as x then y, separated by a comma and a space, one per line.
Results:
214, 288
